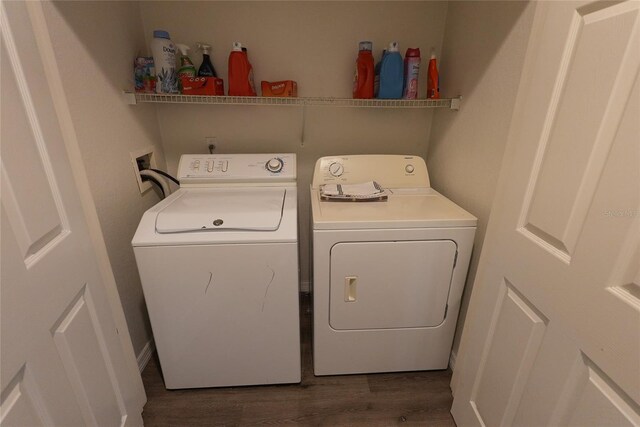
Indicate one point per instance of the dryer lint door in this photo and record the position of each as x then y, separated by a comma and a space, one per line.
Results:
390, 285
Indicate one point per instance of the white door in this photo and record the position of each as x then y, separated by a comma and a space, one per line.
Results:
553, 332
63, 361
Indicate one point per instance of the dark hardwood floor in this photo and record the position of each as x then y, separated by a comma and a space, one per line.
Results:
408, 398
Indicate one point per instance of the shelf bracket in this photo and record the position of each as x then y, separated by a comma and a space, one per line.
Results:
129, 97
455, 103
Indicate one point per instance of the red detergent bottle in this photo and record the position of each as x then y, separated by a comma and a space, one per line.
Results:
364, 76
433, 81
240, 73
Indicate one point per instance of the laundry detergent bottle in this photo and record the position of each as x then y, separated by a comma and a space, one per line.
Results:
240, 73
411, 73
164, 59
391, 73
376, 80
433, 81
363, 79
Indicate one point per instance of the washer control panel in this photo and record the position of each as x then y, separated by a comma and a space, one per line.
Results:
226, 168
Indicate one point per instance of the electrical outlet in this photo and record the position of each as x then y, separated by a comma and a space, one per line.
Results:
211, 143
141, 159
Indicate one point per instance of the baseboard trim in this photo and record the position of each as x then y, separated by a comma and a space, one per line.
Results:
452, 360
145, 355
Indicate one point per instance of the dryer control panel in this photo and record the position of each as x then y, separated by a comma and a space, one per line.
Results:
388, 170
201, 169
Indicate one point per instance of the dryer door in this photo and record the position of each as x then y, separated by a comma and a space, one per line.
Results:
390, 285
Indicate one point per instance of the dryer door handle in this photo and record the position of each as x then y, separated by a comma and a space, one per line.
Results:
350, 288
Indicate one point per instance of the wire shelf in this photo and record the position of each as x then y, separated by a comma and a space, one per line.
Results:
135, 98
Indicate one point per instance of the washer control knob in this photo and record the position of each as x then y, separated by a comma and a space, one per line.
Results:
409, 168
336, 169
275, 165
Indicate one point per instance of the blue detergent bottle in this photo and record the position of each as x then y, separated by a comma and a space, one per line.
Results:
376, 80
391, 73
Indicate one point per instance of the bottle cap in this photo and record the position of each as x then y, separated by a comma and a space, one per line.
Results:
433, 53
365, 45
413, 52
237, 47
394, 47
204, 47
160, 34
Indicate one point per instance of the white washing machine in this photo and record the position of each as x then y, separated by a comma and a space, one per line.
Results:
388, 275
218, 260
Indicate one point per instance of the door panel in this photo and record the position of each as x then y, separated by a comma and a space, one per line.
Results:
83, 351
27, 182
22, 403
597, 400
565, 230
577, 128
512, 345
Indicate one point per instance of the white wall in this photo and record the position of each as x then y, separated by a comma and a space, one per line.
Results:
314, 43
482, 57
95, 43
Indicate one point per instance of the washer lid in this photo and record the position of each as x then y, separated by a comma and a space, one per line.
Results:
257, 209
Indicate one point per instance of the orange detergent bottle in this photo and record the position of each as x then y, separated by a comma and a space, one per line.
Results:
365, 76
433, 82
240, 73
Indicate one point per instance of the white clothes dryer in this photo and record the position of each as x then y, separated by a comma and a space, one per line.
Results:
388, 275
218, 260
